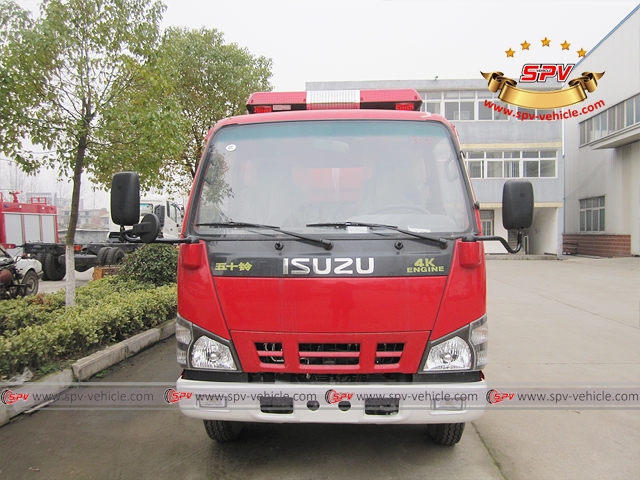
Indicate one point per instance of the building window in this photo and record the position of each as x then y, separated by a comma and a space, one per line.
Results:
611, 120
486, 217
592, 214
512, 164
465, 105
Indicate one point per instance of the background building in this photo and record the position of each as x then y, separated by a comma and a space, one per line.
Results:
602, 149
497, 147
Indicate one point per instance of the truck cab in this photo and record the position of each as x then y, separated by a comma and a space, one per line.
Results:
332, 268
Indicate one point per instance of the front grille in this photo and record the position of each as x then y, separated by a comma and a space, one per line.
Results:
329, 353
389, 353
270, 352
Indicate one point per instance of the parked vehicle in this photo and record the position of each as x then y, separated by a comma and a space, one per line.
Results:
331, 267
18, 276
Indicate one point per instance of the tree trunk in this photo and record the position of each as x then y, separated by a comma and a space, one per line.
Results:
73, 222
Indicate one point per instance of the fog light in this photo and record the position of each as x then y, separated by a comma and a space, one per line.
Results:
448, 404
213, 402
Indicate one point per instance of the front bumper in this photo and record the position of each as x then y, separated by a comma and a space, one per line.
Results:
413, 403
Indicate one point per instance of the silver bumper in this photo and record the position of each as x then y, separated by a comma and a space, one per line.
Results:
334, 403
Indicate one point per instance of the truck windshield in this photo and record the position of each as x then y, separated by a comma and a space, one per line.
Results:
296, 174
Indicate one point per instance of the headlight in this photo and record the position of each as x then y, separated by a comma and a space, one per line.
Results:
452, 354
464, 349
210, 354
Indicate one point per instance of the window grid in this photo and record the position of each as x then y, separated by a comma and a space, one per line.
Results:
611, 120
462, 105
512, 164
486, 218
592, 214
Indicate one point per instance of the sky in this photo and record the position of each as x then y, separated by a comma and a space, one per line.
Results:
355, 40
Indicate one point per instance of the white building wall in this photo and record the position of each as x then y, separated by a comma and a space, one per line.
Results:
612, 172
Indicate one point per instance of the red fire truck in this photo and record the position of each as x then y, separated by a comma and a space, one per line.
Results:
20, 223
331, 267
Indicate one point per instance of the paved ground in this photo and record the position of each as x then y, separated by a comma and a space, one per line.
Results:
48, 286
574, 322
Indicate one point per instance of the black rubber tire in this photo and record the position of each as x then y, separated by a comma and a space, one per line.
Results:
222, 431
446, 433
52, 267
40, 258
118, 255
108, 258
30, 278
102, 256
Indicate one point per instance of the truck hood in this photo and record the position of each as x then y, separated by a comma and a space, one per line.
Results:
324, 305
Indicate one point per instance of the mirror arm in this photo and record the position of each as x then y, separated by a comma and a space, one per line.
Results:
191, 239
493, 238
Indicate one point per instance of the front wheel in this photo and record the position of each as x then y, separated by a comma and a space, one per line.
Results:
222, 431
446, 433
30, 279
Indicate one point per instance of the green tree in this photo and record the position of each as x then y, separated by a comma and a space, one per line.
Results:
210, 80
87, 90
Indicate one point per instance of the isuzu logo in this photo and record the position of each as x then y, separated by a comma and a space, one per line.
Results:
327, 266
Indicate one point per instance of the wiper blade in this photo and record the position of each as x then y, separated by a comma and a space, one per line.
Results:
440, 241
322, 241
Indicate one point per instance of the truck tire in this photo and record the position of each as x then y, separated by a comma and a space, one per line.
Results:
31, 280
119, 255
40, 258
114, 256
446, 433
102, 256
222, 431
52, 267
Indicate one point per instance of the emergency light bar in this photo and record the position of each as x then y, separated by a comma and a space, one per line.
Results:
398, 99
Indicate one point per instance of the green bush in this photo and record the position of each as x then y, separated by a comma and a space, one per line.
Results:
38, 330
155, 264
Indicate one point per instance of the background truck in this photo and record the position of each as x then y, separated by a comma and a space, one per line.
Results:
32, 228
331, 267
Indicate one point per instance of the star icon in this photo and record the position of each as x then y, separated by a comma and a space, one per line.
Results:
525, 45
582, 52
545, 42
565, 45
509, 52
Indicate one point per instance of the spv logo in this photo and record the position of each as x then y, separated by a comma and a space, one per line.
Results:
7, 397
494, 396
540, 72
173, 396
333, 397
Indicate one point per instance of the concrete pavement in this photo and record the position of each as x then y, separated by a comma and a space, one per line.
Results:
573, 322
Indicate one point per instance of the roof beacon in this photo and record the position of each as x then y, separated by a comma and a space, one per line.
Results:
399, 99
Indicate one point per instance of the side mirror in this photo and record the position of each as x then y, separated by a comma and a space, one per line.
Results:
517, 205
160, 213
125, 198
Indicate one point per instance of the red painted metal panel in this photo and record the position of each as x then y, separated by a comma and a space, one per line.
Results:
197, 299
306, 305
465, 296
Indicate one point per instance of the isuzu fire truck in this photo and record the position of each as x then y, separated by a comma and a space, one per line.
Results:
331, 267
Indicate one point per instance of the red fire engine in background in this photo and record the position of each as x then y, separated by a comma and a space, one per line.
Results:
331, 266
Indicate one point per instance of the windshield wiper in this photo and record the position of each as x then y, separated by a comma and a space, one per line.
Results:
440, 241
322, 241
